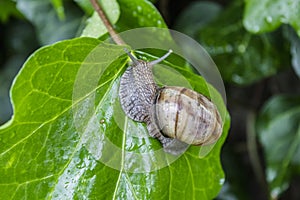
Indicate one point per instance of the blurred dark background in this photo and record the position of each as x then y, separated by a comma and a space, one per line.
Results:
243, 155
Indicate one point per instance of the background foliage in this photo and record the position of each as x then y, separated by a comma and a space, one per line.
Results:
254, 43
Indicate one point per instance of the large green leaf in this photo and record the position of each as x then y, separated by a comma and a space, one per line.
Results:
266, 15
241, 57
278, 129
57, 144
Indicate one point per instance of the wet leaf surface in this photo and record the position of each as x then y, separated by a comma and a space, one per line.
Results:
279, 133
267, 15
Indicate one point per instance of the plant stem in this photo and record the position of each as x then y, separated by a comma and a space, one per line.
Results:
107, 23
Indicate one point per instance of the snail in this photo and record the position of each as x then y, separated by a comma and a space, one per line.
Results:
176, 116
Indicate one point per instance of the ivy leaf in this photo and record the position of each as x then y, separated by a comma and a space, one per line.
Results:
234, 49
267, 15
295, 48
278, 129
68, 138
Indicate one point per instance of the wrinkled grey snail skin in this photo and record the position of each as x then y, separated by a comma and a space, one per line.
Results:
176, 116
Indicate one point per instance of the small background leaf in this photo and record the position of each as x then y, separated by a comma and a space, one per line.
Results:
241, 57
279, 133
267, 15
295, 48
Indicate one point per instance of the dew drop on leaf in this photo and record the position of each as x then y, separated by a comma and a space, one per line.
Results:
256, 28
134, 13
139, 8
241, 48
12, 135
228, 48
269, 19
66, 184
222, 181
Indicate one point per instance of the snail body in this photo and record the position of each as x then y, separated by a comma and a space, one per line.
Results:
176, 116
137, 91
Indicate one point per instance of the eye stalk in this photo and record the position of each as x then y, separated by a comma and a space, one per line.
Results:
154, 62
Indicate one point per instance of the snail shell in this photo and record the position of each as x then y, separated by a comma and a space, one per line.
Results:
186, 115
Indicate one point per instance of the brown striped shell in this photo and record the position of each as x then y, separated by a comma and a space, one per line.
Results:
186, 115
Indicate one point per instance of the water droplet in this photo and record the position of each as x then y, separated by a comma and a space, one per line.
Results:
284, 18
12, 134
241, 48
278, 190
228, 48
142, 21
269, 19
271, 174
80, 165
139, 8
134, 13
66, 184
255, 29
221, 181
